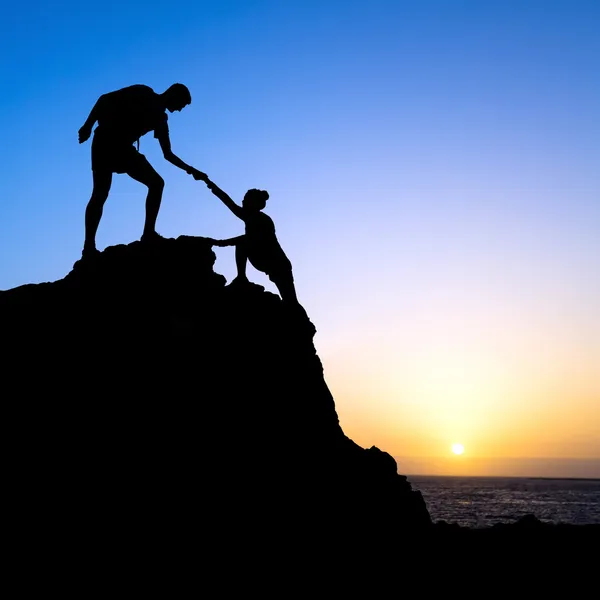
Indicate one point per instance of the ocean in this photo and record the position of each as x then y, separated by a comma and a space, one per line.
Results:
484, 501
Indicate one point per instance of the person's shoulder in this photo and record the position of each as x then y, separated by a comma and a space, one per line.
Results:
140, 90
264, 220
264, 216
136, 87
146, 89
135, 93
145, 96
142, 87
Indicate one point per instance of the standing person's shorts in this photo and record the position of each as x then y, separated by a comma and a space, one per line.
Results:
110, 154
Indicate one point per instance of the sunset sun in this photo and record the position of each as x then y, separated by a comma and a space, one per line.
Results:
458, 448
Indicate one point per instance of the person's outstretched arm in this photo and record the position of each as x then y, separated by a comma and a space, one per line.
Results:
224, 198
165, 145
228, 242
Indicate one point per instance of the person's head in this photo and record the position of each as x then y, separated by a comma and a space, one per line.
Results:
255, 199
177, 97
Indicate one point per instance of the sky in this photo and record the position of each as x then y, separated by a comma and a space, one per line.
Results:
433, 171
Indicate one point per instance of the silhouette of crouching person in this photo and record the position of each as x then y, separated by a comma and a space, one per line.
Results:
259, 245
280, 275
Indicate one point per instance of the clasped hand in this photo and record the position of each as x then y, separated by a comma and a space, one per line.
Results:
198, 175
214, 242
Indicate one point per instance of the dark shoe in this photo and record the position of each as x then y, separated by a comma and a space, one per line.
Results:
88, 253
240, 281
151, 238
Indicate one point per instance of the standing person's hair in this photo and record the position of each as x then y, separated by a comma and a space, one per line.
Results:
178, 90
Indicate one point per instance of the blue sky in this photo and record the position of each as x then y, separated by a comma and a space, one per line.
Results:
433, 172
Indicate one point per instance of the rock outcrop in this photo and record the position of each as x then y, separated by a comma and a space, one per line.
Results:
145, 399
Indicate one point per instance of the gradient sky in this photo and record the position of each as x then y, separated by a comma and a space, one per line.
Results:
434, 172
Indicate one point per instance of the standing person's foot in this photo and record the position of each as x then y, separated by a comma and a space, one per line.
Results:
152, 237
89, 252
239, 281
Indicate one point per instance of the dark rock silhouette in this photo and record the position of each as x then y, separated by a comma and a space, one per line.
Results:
152, 413
146, 391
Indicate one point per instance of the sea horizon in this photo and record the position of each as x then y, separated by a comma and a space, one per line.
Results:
548, 478
465, 466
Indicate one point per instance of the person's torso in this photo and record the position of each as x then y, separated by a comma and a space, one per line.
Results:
260, 228
131, 112
262, 240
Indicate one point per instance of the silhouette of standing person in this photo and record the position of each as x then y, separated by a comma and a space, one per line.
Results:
259, 244
123, 117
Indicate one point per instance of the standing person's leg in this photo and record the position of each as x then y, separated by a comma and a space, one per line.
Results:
141, 170
93, 212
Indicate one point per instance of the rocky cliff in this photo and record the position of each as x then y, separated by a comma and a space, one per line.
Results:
144, 397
